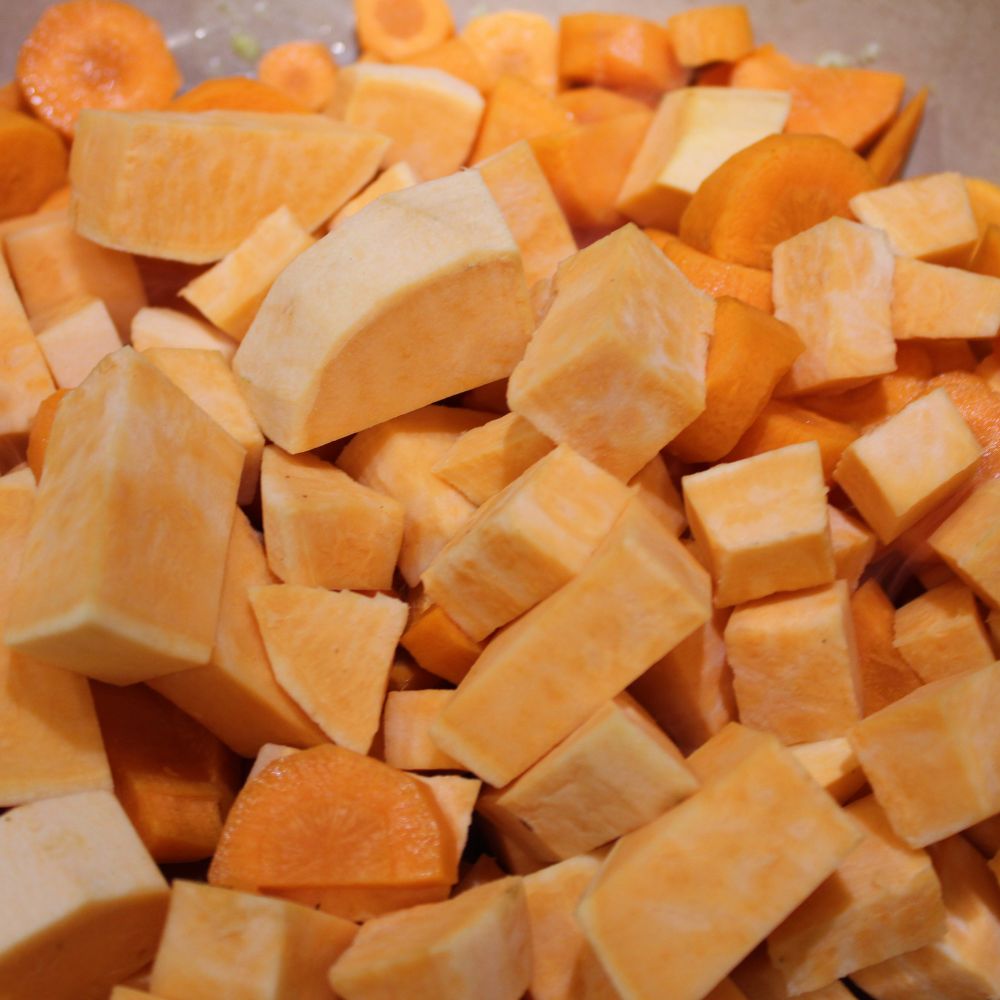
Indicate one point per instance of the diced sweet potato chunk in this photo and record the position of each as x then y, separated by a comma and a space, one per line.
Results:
76, 339
437, 643
853, 546
406, 726
719, 33
760, 980
833, 764
155, 326
398, 177
934, 302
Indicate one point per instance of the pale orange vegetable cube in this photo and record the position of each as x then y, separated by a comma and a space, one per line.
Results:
637, 597
155, 326
853, 546
760, 980
76, 339
525, 543
456, 797
762, 522
833, 285
436, 642
733, 860
932, 302
323, 529
626, 338
903, 468
832, 764
515, 43
932, 758
406, 724
655, 488
398, 177
941, 633
883, 900
927, 217
968, 541
267, 755
720, 33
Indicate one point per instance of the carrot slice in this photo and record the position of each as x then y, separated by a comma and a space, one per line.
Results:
236, 93
455, 57
515, 43
41, 431
395, 29
889, 154
32, 163
58, 199
331, 817
95, 54
771, 191
11, 98
596, 104
304, 71
711, 34
516, 109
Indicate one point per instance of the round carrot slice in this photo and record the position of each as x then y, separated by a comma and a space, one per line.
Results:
331, 817
32, 163
95, 54
770, 191
304, 71
236, 93
397, 29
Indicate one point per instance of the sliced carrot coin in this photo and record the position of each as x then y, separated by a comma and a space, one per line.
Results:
515, 43
236, 93
32, 163
889, 154
396, 29
304, 71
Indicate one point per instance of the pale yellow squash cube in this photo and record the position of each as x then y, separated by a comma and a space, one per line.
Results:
75, 340
160, 327
931, 302
969, 542
406, 723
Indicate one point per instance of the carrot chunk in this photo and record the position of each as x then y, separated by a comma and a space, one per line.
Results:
889, 154
515, 43
32, 164
236, 93
711, 34
395, 29
304, 71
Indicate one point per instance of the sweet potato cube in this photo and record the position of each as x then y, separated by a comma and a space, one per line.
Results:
155, 326
928, 217
932, 758
397, 458
322, 529
476, 946
734, 860
430, 116
941, 633
695, 130
230, 292
406, 726
235, 695
76, 339
833, 285
218, 942
721, 33
853, 546
762, 523
964, 962
882, 901
655, 488
968, 541
398, 177
331, 651
902, 469
438, 644
486, 459
637, 597
208, 381
795, 667
934, 302
615, 773
99, 591
515, 110
760, 980
331, 366
832, 764
626, 338
526, 542
83, 902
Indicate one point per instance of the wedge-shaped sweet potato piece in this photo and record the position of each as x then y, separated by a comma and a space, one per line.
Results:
436, 642
398, 177
430, 117
52, 744
406, 726
596, 635
322, 529
218, 942
927, 793
397, 458
762, 523
156, 326
795, 670
420, 274
99, 591
833, 765
833, 285
934, 302
760, 980
526, 542
853, 546
884, 899
75, 339
655, 488
626, 338
696, 129
903, 468
963, 963
476, 946
720, 33
615, 773
83, 902
230, 293
734, 860
331, 651
307, 162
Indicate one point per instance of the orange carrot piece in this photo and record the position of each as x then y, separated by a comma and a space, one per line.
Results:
980, 408
716, 75
620, 51
586, 165
771, 191
889, 154
439, 645
236, 93
596, 104
852, 105
984, 196
705, 35
751, 285
395, 29
456, 57
304, 71
95, 54
58, 199
986, 259
11, 98
516, 109
32, 163
515, 43
41, 431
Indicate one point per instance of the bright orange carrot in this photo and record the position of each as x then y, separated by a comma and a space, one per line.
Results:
11, 98
705, 35
515, 109
32, 163
751, 285
980, 408
41, 431
58, 199
439, 645
456, 57
620, 51
515, 43
235, 93
770, 191
397, 29
95, 54
304, 71
596, 104
986, 259
889, 154
852, 105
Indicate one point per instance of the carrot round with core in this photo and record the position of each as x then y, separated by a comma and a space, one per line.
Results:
95, 54
236, 93
396, 29
41, 431
515, 43
889, 154
32, 163
304, 71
